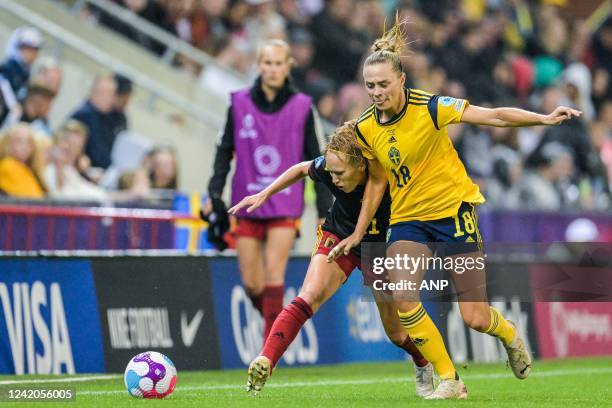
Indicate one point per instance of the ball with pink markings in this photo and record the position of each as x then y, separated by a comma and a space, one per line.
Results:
150, 375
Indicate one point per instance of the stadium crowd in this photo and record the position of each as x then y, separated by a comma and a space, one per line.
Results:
82, 160
496, 52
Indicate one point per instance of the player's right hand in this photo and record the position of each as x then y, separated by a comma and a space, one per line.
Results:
344, 247
560, 115
253, 202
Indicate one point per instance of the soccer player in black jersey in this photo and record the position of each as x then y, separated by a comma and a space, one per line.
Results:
343, 170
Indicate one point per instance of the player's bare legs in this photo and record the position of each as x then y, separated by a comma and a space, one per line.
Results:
471, 292
407, 300
418, 324
276, 254
322, 280
251, 263
397, 334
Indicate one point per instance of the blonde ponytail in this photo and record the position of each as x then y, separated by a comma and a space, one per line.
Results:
390, 46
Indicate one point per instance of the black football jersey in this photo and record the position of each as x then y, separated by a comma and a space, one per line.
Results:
342, 216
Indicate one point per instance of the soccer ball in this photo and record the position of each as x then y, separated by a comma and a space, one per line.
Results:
150, 375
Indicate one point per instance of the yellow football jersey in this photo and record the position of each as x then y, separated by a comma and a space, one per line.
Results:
427, 180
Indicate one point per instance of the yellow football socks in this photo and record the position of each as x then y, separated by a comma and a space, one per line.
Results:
500, 328
427, 338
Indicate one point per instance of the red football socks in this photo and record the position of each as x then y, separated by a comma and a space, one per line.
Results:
285, 328
271, 305
414, 352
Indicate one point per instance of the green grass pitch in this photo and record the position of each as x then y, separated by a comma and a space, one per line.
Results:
560, 383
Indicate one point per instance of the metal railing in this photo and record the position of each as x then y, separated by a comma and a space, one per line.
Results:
42, 227
65, 38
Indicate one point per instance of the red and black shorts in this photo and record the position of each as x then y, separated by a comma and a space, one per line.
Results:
326, 241
258, 228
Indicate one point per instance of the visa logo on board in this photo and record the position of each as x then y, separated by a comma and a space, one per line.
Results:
38, 345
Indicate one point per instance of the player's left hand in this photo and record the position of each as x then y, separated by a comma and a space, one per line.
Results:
344, 247
560, 115
253, 202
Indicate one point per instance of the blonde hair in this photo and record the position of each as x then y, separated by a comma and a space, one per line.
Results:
7, 135
389, 47
275, 42
70, 126
40, 144
343, 141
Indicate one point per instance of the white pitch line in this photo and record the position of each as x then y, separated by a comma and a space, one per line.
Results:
63, 380
507, 375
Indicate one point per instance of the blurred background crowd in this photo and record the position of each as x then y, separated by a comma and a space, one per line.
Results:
91, 156
533, 54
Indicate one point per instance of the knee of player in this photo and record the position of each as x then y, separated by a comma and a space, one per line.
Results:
477, 321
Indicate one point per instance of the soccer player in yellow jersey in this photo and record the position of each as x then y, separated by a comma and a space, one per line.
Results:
403, 135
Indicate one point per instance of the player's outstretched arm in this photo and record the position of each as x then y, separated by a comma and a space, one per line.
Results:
372, 196
514, 117
291, 176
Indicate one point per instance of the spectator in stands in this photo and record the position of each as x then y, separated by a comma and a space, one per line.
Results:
151, 11
178, 17
502, 189
572, 134
208, 28
263, 23
537, 190
47, 71
163, 173
577, 80
36, 107
500, 51
159, 171
293, 12
96, 114
423, 75
123, 94
9, 108
339, 48
350, 102
61, 174
602, 52
21, 52
19, 175
305, 77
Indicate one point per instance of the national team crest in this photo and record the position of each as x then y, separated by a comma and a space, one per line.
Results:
394, 156
447, 101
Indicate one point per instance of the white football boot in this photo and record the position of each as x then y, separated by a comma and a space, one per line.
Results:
424, 381
449, 389
519, 357
258, 373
